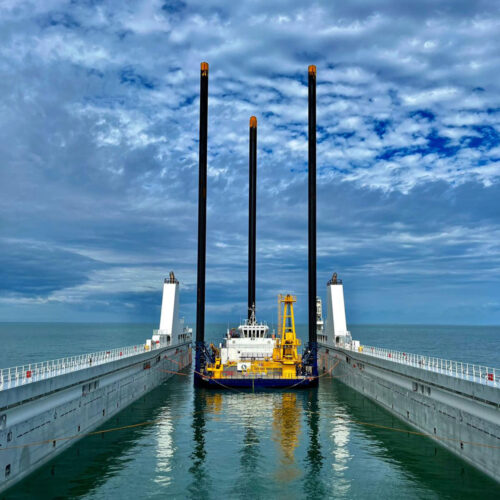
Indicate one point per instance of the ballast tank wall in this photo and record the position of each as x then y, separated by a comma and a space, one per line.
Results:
39, 420
459, 414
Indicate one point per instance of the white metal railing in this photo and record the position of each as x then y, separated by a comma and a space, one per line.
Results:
20, 375
467, 371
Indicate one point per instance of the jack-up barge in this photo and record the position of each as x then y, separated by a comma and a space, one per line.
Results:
250, 357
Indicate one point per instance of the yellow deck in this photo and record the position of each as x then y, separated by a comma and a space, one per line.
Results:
285, 359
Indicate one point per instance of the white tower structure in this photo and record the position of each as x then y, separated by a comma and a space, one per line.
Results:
336, 327
169, 319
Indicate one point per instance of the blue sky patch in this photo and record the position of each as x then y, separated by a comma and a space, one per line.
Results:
99, 148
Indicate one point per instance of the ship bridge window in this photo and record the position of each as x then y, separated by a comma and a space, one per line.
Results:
7, 470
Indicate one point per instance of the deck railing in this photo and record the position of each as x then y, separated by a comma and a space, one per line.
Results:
20, 375
468, 371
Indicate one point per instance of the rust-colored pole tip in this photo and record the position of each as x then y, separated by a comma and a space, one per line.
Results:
204, 66
312, 69
253, 122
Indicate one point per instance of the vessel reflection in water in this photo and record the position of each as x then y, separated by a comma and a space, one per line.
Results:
339, 433
313, 485
165, 448
200, 486
286, 426
316, 443
137, 442
251, 422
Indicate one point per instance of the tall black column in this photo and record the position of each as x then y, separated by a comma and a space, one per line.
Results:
202, 217
252, 212
312, 210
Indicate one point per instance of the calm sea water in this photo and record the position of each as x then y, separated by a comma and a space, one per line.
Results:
190, 443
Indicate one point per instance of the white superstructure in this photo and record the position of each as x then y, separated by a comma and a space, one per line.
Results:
169, 318
47, 406
336, 326
249, 342
452, 402
172, 329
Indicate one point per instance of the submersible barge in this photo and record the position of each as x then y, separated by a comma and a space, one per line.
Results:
456, 404
45, 407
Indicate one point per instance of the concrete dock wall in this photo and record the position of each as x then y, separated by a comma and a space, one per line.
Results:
462, 415
40, 419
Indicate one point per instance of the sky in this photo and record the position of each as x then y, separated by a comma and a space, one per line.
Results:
99, 114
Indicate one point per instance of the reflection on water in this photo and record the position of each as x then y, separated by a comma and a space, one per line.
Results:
250, 457
165, 449
340, 452
209, 444
213, 402
96, 460
339, 434
200, 485
313, 485
286, 426
391, 463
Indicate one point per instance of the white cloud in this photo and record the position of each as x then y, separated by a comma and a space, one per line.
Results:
99, 124
429, 97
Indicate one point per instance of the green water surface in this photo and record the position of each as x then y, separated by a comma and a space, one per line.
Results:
317, 443
182, 442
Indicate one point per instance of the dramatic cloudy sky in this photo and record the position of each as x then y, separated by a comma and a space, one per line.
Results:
99, 148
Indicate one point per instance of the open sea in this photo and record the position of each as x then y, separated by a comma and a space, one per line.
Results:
182, 442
